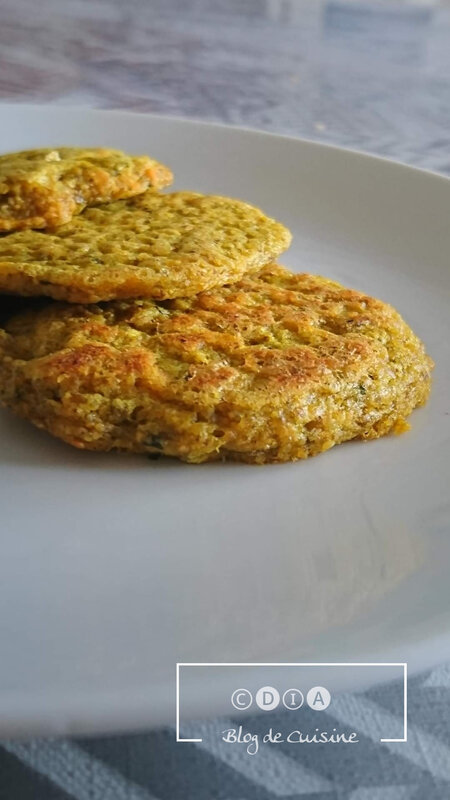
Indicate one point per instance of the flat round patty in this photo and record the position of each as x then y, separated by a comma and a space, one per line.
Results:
153, 245
275, 368
47, 187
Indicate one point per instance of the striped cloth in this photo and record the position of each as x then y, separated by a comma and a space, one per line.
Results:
150, 766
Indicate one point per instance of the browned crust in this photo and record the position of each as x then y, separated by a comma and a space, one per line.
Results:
275, 368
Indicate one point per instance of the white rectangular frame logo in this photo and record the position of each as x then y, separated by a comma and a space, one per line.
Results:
296, 664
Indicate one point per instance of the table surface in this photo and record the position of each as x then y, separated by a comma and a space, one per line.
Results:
369, 75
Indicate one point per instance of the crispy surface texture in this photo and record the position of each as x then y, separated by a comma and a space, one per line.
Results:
275, 368
154, 245
47, 187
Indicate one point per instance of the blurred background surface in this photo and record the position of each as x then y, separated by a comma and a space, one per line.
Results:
369, 75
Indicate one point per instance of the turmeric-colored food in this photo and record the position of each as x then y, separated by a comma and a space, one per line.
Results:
277, 367
154, 245
47, 187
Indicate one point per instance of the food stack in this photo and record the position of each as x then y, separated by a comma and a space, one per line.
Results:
168, 328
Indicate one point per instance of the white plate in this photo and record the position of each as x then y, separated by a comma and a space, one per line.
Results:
114, 568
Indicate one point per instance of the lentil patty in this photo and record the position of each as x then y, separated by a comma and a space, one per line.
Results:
153, 245
277, 367
47, 187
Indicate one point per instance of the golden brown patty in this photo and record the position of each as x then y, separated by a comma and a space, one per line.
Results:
40, 188
274, 368
153, 245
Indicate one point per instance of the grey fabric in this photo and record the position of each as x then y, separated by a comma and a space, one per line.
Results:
152, 765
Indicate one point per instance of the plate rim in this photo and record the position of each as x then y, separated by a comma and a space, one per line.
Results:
192, 121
